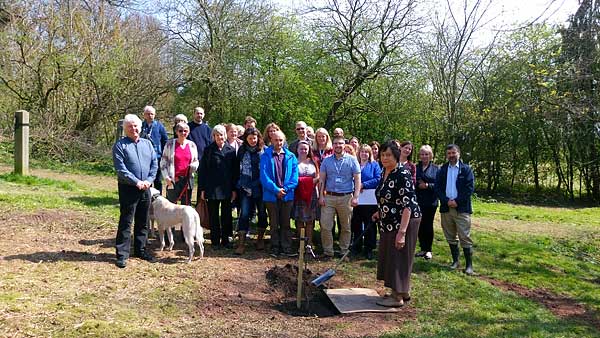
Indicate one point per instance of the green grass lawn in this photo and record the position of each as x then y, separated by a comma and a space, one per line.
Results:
555, 249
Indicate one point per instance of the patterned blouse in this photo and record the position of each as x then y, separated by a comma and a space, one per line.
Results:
394, 194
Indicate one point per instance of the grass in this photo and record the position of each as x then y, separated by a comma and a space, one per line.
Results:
68, 287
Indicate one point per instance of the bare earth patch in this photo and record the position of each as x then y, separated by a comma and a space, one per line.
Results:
60, 280
560, 306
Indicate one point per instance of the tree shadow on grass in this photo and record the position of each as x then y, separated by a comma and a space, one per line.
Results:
63, 256
95, 201
104, 243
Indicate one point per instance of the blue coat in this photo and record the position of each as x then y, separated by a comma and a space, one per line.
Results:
267, 175
370, 175
157, 134
201, 135
465, 186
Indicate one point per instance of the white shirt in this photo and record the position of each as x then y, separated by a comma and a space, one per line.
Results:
451, 191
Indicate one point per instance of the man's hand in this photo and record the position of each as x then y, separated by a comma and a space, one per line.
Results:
354, 201
281, 193
452, 204
322, 201
422, 185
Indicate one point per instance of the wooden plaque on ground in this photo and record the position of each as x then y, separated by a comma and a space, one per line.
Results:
354, 300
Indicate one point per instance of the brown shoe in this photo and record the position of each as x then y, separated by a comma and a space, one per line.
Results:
260, 242
390, 302
241, 248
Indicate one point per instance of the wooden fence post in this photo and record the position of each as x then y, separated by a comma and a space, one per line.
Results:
22, 142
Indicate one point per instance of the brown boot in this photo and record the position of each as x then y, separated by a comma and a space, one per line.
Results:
260, 242
241, 248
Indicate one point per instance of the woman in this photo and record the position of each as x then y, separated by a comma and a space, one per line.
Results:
323, 147
406, 149
348, 149
355, 143
232, 136
399, 217
370, 174
178, 118
427, 199
305, 200
270, 129
279, 178
250, 190
178, 163
375, 149
217, 182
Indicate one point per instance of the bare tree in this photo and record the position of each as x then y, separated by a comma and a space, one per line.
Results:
367, 37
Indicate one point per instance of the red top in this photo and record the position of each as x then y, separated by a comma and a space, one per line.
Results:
183, 158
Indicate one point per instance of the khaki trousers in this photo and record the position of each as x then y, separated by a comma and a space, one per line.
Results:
457, 227
341, 206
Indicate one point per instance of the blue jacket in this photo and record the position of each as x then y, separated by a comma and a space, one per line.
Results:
427, 197
201, 134
267, 175
134, 162
157, 134
370, 175
465, 186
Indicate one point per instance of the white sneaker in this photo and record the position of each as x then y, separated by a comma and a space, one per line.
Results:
428, 255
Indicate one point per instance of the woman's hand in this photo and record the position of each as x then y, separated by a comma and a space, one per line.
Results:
202, 197
375, 216
400, 240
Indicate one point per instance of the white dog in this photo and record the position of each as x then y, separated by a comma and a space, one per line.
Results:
169, 216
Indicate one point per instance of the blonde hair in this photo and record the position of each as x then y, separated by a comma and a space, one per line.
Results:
368, 149
323, 131
427, 148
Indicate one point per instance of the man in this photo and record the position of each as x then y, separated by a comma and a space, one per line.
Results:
249, 122
301, 134
157, 134
200, 134
339, 187
136, 165
454, 186
339, 132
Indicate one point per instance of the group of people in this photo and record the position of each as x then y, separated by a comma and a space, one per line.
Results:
363, 188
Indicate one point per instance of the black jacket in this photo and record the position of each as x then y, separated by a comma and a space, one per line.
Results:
427, 197
218, 173
465, 185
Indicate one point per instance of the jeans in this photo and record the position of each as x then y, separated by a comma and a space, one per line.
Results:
247, 205
134, 207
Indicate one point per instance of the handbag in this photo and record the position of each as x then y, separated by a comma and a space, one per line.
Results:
202, 210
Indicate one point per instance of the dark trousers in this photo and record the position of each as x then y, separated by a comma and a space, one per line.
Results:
247, 206
134, 206
173, 194
426, 227
220, 228
361, 220
158, 180
279, 218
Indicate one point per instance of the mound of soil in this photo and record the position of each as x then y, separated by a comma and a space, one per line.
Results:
314, 301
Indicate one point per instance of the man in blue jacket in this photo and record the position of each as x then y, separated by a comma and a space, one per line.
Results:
157, 134
201, 135
136, 166
454, 187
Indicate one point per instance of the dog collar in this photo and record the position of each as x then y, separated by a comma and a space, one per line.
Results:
154, 197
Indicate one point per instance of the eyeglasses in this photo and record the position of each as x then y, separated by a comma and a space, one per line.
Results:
183, 131
300, 128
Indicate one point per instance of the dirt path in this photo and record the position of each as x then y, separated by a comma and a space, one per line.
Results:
561, 306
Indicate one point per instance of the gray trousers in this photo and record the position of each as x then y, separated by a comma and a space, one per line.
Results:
279, 219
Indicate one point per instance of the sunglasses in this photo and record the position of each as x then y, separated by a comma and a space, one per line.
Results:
183, 131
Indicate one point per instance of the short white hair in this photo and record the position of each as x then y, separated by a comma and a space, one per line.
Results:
132, 118
179, 118
219, 129
301, 123
149, 109
198, 110
427, 148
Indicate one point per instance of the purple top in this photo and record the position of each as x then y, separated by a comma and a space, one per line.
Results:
279, 174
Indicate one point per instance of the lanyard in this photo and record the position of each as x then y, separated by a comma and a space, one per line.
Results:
339, 168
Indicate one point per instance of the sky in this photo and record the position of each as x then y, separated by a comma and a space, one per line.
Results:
506, 11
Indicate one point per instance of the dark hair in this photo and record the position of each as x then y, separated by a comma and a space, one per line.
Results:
393, 147
405, 143
354, 137
339, 138
253, 131
453, 146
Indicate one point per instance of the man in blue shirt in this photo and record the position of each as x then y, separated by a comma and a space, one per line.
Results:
339, 187
201, 135
136, 166
157, 134
454, 187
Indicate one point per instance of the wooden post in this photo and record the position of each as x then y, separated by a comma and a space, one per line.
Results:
300, 269
119, 133
22, 142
